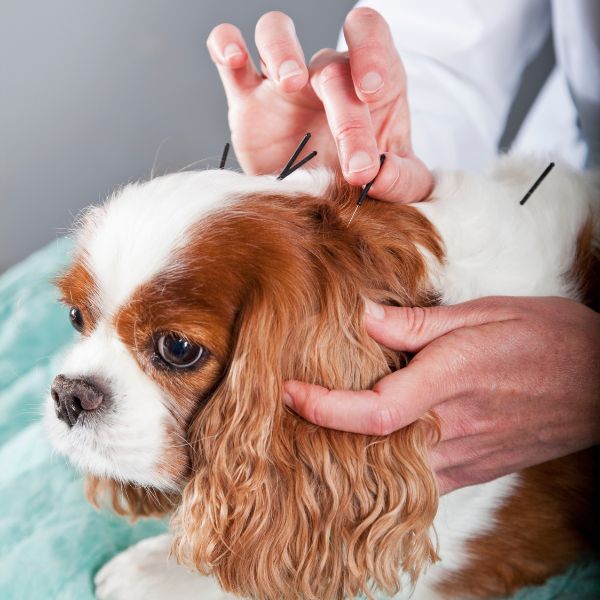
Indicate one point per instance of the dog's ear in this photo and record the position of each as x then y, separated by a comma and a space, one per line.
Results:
129, 500
280, 508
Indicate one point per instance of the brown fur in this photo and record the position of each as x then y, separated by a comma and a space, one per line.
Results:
277, 507
128, 499
273, 505
585, 272
546, 524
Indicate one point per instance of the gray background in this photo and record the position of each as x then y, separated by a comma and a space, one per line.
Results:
89, 91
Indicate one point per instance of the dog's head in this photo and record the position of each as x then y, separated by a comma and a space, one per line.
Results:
197, 296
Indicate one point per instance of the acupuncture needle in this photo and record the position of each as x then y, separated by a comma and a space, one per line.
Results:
366, 189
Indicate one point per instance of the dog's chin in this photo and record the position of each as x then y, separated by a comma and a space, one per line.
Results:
91, 449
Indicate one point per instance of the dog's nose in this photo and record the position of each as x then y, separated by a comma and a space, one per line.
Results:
74, 396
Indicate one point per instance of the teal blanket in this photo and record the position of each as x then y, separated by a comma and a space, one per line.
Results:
52, 541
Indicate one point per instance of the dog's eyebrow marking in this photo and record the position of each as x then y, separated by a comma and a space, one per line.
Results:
537, 182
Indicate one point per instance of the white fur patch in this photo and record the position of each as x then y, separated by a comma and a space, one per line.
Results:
127, 442
146, 571
462, 514
495, 246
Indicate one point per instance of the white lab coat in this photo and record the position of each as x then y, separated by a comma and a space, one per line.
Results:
464, 60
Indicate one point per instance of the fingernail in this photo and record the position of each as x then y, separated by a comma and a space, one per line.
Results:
288, 399
289, 68
359, 161
374, 310
231, 50
371, 82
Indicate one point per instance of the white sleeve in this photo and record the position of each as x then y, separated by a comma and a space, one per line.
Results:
464, 60
576, 26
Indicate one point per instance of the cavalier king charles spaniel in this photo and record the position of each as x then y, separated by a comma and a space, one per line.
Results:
198, 294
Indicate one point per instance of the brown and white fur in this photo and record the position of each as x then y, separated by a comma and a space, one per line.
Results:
269, 279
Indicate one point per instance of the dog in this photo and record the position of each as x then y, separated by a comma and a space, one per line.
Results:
198, 294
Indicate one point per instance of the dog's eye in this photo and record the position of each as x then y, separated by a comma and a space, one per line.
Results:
177, 351
76, 318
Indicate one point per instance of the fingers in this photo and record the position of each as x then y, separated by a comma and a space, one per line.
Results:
349, 119
402, 179
396, 401
411, 329
281, 52
403, 396
230, 54
377, 70
379, 78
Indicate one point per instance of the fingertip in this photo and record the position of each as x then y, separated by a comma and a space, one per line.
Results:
363, 11
295, 393
362, 15
376, 69
290, 390
374, 310
234, 57
281, 52
361, 166
288, 400
226, 46
275, 19
403, 180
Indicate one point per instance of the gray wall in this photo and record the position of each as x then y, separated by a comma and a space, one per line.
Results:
92, 92
89, 90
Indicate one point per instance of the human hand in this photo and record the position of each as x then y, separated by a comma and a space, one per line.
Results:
354, 104
514, 381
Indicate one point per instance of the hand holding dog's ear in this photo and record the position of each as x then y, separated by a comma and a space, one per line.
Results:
354, 103
515, 382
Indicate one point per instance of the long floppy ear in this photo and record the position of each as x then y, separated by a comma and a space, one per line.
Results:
280, 508
129, 500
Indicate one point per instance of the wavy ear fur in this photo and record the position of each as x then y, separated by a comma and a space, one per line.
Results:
278, 507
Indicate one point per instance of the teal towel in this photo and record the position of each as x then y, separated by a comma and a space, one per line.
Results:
52, 541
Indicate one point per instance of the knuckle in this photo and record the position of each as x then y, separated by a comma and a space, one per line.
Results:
373, 49
350, 128
315, 410
316, 413
276, 47
497, 308
335, 70
389, 179
404, 182
384, 421
466, 427
417, 317
414, 321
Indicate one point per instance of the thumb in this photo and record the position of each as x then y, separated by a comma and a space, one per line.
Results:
402, 179
412, 328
